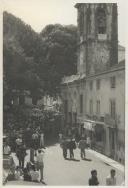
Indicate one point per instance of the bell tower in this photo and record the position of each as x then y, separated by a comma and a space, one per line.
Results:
97, 37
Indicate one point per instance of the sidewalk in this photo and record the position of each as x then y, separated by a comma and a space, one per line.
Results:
108, 160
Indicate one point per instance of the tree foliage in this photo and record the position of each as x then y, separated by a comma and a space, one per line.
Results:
37, 62
20, 48
60, 53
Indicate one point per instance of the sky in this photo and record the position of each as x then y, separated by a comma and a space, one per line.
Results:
39, 13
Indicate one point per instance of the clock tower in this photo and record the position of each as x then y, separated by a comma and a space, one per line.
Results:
98, 37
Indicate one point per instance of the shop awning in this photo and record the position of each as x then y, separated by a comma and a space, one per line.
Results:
89, 126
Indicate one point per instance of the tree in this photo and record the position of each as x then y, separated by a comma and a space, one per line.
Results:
60, 54
37, 62
21, 47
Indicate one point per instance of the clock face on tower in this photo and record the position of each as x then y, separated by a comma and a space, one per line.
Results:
102, 55
99, 58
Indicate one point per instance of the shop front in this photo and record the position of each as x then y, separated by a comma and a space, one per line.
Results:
100, 137
111, 137
86, 129
95, 131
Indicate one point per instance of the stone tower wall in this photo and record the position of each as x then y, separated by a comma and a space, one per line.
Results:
98, 37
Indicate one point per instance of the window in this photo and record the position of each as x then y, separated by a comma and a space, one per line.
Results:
113, 108
101, 20
65, 109
102, 118
98, 84
81, 103
112, 139
99, 136
89, 20
81, 21
75, 117
91, 85
91, 107
113, 82
99, 133
98, 107
70, 118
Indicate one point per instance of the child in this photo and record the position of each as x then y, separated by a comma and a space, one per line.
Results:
26, 175
93, 180
34, 174
18, 173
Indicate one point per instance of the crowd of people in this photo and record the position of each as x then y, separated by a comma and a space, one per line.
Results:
30, 172
70, 144
18, 142
33, 139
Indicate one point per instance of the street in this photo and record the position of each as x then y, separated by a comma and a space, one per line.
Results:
58, 171
63, 89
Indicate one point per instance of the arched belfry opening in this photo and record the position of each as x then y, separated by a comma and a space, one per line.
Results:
101, 20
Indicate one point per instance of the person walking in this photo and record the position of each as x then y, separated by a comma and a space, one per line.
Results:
21, 153
93, 180
64, 147
35, 141
60, 137
88, 142
40, 164
71, 146
82, 146
111, 179
77, 137
41, 140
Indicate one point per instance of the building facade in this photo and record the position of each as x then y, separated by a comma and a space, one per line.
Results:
94, 99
